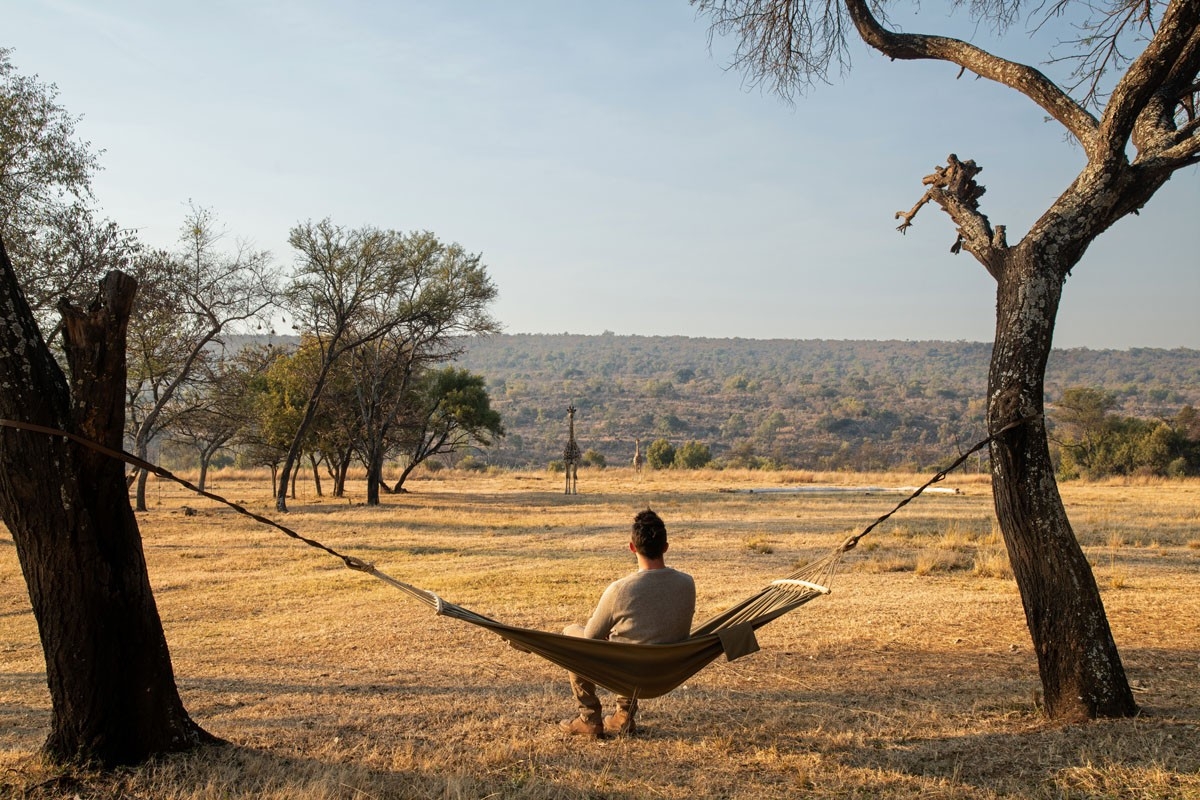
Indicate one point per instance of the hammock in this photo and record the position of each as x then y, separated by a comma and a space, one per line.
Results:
633, 670
647, 670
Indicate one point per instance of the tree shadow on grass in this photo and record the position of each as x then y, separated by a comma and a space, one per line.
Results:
1103, 758
910, 722
230, 771
967, 723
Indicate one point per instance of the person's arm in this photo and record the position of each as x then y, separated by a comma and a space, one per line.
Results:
600, 625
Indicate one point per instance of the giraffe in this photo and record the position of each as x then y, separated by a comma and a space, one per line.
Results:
638, 458
571, 455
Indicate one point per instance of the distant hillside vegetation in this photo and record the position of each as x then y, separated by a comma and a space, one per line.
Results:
808, 404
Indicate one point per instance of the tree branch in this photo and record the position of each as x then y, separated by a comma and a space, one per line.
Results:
1184, 154
1168, 61
1025, 79
953, 187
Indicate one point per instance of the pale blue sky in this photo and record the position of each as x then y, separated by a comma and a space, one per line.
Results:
613, 173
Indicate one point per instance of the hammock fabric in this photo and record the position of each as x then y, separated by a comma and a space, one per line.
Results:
648, 670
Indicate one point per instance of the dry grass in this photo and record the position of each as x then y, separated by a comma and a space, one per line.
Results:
915, 678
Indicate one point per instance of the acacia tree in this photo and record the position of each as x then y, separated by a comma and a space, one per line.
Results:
450, 409
44, 167
336, 429
441, 294
71, 251
219, 408
275, 405
1083, 424
190, 300
108, 669
1144, 130
340, 276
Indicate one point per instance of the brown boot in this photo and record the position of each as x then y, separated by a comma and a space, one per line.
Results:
620, 722
578, 726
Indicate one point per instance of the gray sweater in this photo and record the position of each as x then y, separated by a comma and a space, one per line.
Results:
653, 606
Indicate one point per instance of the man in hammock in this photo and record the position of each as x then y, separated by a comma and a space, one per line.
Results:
651, 606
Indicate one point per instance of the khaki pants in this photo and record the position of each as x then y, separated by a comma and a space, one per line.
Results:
585, 691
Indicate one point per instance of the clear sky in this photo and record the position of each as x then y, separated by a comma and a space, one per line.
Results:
611, 170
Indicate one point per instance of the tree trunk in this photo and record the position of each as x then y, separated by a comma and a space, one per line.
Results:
205, 458
374, 474
343, 470
287, 471
316, 471
140, 495
404, 473
112, 687
1080, 667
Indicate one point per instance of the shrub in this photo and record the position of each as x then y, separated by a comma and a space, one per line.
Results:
660, 454
472, 464
692, 455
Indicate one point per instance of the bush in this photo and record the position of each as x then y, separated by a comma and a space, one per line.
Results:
472, 464
660, 454
1178, 468
692, 455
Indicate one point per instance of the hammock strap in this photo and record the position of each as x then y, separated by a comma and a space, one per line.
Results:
132, 460
852, 542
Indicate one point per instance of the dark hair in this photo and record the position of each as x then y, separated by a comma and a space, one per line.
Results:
649, 534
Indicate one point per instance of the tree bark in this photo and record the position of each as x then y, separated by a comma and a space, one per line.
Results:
374, 472
1080, 667
112, 687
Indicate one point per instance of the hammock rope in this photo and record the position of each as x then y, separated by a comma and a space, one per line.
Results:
635, 670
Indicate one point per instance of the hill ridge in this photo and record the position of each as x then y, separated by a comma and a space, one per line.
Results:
811, 403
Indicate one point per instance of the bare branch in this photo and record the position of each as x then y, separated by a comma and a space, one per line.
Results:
1099, 43
1169, 57
789, 45
953, 187
1025, 79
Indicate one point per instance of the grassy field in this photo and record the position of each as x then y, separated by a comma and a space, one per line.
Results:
914, 678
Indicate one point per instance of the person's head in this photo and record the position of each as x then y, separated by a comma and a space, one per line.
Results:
649, 535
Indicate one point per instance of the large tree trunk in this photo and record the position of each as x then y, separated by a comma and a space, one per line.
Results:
374, 472
112, 687
1080, 667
